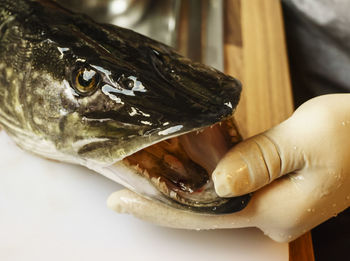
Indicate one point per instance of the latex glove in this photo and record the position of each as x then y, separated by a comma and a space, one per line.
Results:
312, 146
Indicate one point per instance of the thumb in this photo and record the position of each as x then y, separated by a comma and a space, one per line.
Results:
257, 161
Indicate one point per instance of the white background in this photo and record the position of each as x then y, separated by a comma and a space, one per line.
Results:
53, 211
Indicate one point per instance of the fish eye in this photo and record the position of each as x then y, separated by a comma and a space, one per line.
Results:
85, 80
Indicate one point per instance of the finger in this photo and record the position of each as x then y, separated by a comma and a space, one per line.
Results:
126, 201
257, 161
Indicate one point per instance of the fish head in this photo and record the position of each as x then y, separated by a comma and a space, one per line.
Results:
112, 99
139, 100
112, 91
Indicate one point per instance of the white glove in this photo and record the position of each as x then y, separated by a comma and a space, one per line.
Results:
312, 147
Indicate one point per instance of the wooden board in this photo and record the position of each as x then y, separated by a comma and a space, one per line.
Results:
255, 52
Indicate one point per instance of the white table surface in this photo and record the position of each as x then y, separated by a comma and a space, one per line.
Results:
54, 211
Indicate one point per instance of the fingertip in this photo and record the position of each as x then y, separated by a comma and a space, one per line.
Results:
222, 188
125, 201
232, 178
248, 166
114, 203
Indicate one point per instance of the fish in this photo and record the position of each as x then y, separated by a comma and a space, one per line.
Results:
117, 102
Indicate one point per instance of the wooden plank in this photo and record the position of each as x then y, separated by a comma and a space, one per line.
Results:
301, 249
255, 52
266, 72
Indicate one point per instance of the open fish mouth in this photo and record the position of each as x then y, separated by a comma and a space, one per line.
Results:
180, 168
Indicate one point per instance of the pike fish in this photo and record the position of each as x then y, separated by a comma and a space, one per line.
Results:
117, 102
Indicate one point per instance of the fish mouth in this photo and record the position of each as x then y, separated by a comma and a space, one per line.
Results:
180, 168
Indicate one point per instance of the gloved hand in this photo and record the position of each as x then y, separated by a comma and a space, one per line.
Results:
311, 150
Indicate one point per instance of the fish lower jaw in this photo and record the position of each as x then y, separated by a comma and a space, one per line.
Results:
198, 199
129, 178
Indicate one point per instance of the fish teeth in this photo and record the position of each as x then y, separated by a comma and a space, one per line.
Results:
160, 184
173, 194
199, 131
163, 187
145, 173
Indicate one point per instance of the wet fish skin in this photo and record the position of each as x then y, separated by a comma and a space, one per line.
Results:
43, 44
